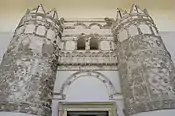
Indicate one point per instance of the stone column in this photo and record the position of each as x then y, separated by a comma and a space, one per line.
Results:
29, 66
146, 70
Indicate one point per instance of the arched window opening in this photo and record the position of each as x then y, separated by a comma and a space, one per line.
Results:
81, 44
93, 44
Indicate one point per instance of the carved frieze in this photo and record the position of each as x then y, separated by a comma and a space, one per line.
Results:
105, 23
87, 58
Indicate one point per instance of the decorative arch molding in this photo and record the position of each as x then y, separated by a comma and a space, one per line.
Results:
80, 24
108, 84
95, 24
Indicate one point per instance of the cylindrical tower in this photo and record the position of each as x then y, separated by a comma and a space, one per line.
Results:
28, 69
146, 70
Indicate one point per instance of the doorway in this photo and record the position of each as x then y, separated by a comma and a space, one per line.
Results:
87, 113
87, 109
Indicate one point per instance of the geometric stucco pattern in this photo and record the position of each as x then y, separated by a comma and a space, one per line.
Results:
146, 70
28, 68
85, 30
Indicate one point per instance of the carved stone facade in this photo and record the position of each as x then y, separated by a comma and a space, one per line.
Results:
85, 30
44, 44
29, 66
146, 70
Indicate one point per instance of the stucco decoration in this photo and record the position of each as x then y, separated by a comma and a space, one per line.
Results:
88, 59
28, 69
109, 22
95, 24
145, 67
84, 26
105, 23
109, 86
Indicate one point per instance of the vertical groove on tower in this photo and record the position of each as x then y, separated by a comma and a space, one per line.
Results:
28, 69
146, 70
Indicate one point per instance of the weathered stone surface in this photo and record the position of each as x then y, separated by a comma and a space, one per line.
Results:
146, 70
28, 71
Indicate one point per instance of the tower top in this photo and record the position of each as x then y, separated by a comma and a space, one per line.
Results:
40, 14
52, 13
135, 10
39, 10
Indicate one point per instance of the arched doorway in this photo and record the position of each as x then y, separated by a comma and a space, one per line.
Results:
98, 76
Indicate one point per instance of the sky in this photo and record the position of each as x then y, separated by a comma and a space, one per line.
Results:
162, 11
